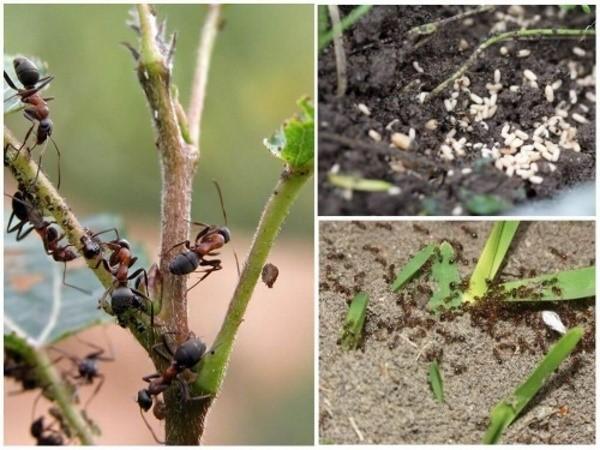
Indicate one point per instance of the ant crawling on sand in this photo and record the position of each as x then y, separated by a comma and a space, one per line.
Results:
186, 356
208, 240
37, 110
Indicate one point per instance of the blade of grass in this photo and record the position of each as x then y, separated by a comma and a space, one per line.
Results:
491, 258
355, 321
445, 273
413, 266
505, 412
360, 184
567, 285
349, 20
436, 382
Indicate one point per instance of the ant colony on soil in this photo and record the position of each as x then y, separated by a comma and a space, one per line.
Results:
458, 110
398, 368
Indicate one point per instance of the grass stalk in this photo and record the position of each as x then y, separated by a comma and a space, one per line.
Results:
355, 322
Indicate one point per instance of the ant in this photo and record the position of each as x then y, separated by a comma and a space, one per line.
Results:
91, 246
45, 435
122, 296
24, 210
87, 367
185, 356
38, 112
558, 253
420, 229
469, 231
208, 240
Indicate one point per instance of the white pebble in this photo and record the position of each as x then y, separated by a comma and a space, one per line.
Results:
549, 93
401, 140
431, 124
579, 118
557, 84
422, 96
522, 135
496, 76
553, 321
476, 98
467, 171
375, 135
417, 67
514, 88
590, 96
503, 51
529, 75
578, 51
536, 179
523, 53
364, 109
573, 96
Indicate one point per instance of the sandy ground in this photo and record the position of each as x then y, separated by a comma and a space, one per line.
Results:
268, 393
381, 394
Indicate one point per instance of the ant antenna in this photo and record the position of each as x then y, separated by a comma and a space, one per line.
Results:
220, 193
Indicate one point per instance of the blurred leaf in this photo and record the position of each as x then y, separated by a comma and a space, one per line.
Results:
37, 305
14, 104
436, 382
486, 204
445, 273
413, 266
294, 141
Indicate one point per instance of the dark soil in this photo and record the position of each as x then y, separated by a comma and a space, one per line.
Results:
483, 351
381, 75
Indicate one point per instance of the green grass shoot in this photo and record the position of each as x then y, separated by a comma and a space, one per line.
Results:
359, 184
444, 271
355, 322
436, 382
568, 285
325, 37
412, 267
505, 412
490, 260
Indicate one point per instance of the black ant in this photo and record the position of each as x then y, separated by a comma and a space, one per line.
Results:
38, 112
123, 298
186, 356
91, 246
470, 231
45, 434
558, 253
208, 240
87, 367
24, 210
420, 229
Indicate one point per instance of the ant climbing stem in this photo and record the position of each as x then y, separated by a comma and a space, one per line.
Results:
36, 109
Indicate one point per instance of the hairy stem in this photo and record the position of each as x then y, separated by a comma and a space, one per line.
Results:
432, 27
543, 33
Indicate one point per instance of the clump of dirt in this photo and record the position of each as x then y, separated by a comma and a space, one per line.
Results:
380, 393
390, 74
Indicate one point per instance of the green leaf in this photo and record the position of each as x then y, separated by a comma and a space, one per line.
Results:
491, 258
436, 382
325, 37
486, 204
360, 184
294, 141
567, 285
37, 306
413, 266
14, 104
355, 322
445, 272
505, 412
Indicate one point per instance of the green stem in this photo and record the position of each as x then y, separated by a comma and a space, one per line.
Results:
61, 396
346, 22
214, 366
544, 33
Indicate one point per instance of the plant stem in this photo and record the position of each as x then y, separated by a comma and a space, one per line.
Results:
55, 387
543, 33
326, 37
213, 368
340, 54
205, 49
432, 27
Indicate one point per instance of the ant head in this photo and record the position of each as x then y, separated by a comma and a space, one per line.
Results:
124, 243
37, 427
27, 73
224, 231
144, 399
189, 353
51, 234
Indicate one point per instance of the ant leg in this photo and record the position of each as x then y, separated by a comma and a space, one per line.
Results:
186, 243
156, 439
58, 162
150, 377
185, 392
84, 291
41, 85
24, 140
39, 164
22, 235
159, 349
10, 82
105, 264
107, 231
137, 272
96, 390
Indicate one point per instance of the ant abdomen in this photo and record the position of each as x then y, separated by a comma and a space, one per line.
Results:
27, 73
184, 263
144, 399
190, 353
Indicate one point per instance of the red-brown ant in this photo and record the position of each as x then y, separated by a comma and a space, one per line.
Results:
470, 231
558, 253
38, 112
45, 434
208, 240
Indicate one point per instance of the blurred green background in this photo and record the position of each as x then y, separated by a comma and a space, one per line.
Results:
263, 62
